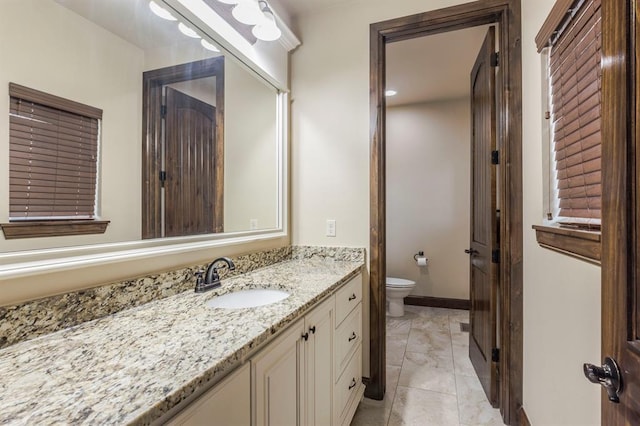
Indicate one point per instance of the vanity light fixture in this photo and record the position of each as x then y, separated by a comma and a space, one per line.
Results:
266, 30
248, 12
187, 31
161, 11
209, 46
390, 92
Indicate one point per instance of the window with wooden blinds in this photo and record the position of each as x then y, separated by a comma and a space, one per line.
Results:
53, 157
575, 86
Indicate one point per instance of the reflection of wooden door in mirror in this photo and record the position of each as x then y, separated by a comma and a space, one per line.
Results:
183, 157
190, 179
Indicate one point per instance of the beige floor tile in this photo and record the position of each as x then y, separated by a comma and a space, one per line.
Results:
423, 408
458, 315
429, 341
461, 361
373, 413
398, 326
439, 323
473, 406
393, 375
425, 311
430, 378
396, 345
421, 371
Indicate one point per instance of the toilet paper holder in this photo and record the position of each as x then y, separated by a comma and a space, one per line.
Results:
420, 254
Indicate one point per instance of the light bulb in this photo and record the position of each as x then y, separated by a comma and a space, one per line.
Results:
209, 46
267, 30
248, 12
187, 31
161, 11
390, 92
229, 1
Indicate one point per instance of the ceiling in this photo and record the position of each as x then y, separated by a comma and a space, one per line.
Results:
299, 7
432, 68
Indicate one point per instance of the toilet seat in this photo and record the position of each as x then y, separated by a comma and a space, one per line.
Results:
399, 283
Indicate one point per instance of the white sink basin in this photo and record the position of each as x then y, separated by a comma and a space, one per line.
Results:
247, 298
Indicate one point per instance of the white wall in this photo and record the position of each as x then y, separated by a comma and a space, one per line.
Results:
428, 195
330, 156
250, 153
561, 295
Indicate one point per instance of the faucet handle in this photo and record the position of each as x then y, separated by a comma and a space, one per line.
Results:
199, 281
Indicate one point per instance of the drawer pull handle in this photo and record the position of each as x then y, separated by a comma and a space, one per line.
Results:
312, 329
353, 384
352, 297
305, 336
353, 336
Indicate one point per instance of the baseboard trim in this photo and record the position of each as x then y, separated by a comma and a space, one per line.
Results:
437, 302
522, 416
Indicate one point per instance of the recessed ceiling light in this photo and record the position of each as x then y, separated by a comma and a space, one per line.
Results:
161, 11
209, 46
187, 31
390, 93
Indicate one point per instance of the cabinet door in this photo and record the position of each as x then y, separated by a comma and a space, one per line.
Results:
277, 390
319, 364
226, 404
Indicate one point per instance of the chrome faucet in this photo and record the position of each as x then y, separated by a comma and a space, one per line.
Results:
211, 278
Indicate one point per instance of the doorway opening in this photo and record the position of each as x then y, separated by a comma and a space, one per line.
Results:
505, 14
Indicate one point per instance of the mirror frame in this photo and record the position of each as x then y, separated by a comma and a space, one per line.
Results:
34, 262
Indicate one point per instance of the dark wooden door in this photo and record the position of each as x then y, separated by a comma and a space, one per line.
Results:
484, 272
621, 207
190, 186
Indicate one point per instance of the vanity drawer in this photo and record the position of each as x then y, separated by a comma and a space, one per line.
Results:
348, 386
347, 338
347, 298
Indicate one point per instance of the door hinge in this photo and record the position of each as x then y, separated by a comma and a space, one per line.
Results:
163, 111
163, 177
495, 256
495, 59
495, 355
495, 157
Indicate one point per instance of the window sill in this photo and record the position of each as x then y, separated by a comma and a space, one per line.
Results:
54, 228
584, 245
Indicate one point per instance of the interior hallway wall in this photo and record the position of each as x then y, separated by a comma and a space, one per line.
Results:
330, 179
428, 195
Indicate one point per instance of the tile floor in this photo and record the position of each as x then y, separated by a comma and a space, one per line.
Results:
430, 380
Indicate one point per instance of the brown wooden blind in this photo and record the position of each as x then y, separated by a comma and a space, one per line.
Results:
575, 88
53, 156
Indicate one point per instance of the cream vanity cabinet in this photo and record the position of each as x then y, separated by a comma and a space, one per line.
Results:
310, 375
348, 386
324, 351
227, 403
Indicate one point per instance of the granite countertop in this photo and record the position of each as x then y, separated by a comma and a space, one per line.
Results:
134, 366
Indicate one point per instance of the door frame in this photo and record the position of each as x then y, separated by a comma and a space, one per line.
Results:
152, 82
505, 13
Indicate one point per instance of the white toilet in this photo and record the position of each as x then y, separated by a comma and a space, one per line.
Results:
397, 290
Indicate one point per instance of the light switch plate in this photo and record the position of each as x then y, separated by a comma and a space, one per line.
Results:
331, 227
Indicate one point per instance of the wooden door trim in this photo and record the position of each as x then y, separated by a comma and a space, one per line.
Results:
151, 133
506, 13
619, 138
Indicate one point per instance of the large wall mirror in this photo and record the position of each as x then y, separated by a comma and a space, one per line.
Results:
189, 140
